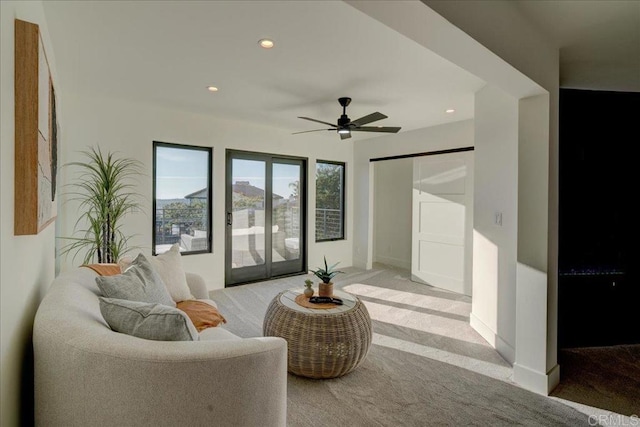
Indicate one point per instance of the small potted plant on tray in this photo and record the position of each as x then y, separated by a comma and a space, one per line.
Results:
308, 290
325, 288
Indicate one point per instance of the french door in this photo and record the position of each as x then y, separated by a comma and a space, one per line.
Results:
265, 216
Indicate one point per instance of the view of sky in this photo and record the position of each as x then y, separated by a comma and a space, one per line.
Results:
180, 172
254, 171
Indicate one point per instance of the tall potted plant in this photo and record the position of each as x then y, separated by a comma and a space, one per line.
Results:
104, 189
326, 274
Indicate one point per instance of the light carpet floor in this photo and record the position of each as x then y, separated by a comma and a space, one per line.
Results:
426, 365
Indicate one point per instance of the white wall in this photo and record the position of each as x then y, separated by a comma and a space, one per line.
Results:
494, 41
451, 135
131, 128
392, 212
26, 262
495, 246
533, 320
515, 40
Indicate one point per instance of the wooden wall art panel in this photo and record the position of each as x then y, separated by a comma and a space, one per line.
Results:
36, 133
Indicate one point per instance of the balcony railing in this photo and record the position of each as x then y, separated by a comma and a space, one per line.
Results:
329, 224
171, 223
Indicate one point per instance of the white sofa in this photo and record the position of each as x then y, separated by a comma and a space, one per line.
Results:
88, 375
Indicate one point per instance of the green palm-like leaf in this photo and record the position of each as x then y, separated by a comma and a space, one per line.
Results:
327, 273
106, 194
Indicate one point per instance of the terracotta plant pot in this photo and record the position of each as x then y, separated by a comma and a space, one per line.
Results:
325, 289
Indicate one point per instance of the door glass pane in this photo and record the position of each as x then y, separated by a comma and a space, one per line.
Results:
248, 205
286, 212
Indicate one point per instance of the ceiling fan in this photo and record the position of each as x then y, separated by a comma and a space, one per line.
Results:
345, 125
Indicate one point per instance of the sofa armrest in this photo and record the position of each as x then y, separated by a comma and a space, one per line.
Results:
197, 286
114, 379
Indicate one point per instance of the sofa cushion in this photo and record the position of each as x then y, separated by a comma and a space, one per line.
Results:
199, 233
202, 314
149, 321
168, 265
217, 334
140, 282
169, 268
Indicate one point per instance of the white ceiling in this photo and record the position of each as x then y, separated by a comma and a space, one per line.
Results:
167, 52
599, 40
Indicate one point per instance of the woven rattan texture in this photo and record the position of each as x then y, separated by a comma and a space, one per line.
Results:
321, 345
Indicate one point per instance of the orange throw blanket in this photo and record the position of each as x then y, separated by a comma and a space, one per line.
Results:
202, 315
104, 269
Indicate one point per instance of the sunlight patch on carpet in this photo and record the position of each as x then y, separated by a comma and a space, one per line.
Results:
446, 302
423, 322
481, 367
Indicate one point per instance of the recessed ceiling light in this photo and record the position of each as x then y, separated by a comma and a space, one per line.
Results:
266, 43
450, 110
212, 88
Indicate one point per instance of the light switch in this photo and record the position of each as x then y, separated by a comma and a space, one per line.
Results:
498, 218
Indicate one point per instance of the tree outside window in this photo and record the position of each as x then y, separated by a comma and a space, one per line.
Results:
329, 200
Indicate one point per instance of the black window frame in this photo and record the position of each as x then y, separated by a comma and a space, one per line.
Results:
209, 151
342, 199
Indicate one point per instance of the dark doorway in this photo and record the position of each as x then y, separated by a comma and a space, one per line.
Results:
598, 289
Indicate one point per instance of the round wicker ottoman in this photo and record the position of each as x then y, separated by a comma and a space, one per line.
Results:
323, 343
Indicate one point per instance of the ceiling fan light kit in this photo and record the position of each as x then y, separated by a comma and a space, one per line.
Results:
345, 125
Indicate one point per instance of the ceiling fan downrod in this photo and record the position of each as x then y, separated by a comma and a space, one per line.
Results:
343, 121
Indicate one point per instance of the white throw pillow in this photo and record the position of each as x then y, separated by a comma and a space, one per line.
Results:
169, 268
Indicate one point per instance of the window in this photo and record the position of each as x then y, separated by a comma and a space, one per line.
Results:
329, 200
181, 198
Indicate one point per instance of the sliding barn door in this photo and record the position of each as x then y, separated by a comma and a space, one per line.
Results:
442, 221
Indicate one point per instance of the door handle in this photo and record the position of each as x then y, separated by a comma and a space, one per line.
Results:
229, 218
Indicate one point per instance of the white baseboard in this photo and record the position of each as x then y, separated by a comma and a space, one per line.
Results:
502, 347
538, 382
396, 262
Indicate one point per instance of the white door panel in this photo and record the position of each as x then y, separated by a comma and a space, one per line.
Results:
442, 221
442, 260
445, 176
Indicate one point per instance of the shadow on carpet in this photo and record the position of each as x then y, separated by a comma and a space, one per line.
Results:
603, 377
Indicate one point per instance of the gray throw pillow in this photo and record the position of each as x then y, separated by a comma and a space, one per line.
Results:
149, 321
139, 282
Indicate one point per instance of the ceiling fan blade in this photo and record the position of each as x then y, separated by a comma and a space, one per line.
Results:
368, 119
388, 129
345, 135
318, 121
307, 131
